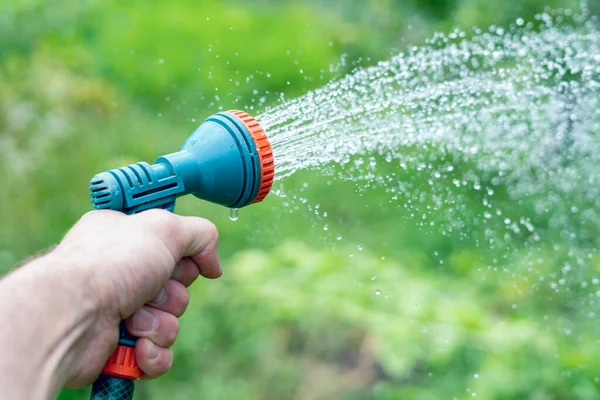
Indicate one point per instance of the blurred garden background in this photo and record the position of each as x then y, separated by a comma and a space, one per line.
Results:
374, 306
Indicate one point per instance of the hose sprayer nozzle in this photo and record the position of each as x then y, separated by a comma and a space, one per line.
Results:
227, 160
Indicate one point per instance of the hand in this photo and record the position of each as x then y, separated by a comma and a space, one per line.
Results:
63, 309
139, 268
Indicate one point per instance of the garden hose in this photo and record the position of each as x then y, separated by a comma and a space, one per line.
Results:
227, 161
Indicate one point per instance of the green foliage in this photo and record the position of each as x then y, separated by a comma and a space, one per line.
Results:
86, 86
158, 51
317, 325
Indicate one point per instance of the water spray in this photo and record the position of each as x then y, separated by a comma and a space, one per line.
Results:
227, 161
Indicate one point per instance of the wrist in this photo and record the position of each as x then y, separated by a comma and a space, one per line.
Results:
45, 317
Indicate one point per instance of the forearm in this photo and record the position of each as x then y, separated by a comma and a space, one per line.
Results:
44, 316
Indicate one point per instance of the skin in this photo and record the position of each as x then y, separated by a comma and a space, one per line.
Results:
60, 313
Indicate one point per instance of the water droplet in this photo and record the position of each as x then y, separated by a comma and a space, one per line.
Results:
462, 102
377, 292
234, 214
476, 376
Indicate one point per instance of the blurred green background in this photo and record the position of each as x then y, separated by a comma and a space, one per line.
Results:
390, 310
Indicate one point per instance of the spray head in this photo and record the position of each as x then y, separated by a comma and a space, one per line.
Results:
227, 160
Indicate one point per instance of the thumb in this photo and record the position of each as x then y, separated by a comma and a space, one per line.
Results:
193, 237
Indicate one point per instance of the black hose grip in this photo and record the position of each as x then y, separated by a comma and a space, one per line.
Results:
108, 387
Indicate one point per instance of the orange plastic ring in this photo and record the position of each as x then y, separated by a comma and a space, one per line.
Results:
265, 154
122, 364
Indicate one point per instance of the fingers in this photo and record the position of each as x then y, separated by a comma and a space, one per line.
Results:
172, 298
152, 359
186, 271
159, 326
156, 326
207, 260
203, 252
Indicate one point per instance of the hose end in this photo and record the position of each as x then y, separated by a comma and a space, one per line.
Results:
122, 364
108, 387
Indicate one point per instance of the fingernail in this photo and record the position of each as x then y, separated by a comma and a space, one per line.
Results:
151, 351
144, 321
178, 271
160, 298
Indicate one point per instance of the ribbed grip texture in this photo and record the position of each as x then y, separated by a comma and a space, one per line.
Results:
112, 388
122, 363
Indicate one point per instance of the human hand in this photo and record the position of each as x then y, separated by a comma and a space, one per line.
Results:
137, 268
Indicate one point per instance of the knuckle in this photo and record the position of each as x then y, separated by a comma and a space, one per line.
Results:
183, 302
160, 366
211, 230
167, 221
166, 362
185, 297
173, 332
88, 215
175, 329
157, 216
91, 216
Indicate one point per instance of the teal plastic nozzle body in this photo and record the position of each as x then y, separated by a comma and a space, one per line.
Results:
227, 161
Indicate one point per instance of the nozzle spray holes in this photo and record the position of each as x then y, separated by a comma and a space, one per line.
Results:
234, 214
